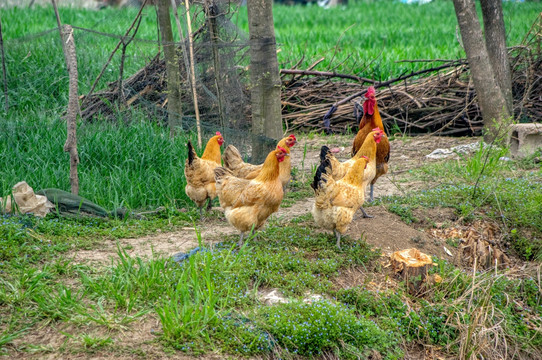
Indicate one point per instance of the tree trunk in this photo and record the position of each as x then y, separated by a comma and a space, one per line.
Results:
264, 79
495, 36
211, 13
172, 68
73, 106
490, 97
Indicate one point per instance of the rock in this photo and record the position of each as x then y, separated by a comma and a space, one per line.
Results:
525, 139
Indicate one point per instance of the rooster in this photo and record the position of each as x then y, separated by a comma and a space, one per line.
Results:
336, 202
200, 179
234, 162
368, 149
248, 203
371, 119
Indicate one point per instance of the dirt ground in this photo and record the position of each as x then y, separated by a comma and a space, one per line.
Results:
385, 230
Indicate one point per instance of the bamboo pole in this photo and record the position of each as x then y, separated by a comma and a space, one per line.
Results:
190, 74
192, 69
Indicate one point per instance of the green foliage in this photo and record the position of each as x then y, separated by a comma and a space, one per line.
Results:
135, 166
312, 328
405, 212
368, 38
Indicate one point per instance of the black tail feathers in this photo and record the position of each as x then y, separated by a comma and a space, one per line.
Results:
323, 153
191, 153
325, 166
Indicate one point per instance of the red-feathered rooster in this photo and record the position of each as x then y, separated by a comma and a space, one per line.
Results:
371, 119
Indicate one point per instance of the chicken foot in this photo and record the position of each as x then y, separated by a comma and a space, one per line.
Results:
364, 214
242, 237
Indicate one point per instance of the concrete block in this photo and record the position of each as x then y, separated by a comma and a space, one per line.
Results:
525, 139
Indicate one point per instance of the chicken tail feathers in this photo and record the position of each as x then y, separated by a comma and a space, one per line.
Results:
220, 172
320, 177
232, 158
191, 153
323, 153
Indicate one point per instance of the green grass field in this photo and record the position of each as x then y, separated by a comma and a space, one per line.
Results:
365, 38
54, 305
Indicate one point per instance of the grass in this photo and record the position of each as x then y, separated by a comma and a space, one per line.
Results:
209, 303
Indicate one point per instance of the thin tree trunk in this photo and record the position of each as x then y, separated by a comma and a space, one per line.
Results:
264, 79
495, 36
490, 97
172, 68
4, 71
211, 13
73, 107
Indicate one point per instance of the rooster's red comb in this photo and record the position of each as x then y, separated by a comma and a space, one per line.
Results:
293, 137
370, 92
365, 157
376, 129
281, 148
218, 133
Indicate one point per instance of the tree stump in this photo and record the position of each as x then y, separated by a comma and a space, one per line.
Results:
412, 265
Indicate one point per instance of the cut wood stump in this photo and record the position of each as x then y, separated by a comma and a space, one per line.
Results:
412, 265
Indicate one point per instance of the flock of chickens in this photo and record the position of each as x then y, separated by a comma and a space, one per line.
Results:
249, 194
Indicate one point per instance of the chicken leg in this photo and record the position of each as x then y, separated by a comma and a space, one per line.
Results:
371, 198
338, 236
241, 237
209, 204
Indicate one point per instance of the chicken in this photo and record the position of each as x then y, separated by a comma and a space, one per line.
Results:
234, 162
371, 119
336, 202
200, 178
248, 203
368, 149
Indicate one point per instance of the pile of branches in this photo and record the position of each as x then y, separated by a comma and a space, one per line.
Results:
443, 103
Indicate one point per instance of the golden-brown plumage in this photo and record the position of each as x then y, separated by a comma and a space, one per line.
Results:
200, 178
368, 150
248, 203
337, 201
234, 162
371, 119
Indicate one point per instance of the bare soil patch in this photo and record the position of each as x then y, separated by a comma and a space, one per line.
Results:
385, 231
388, 232
211, 230
61, 341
